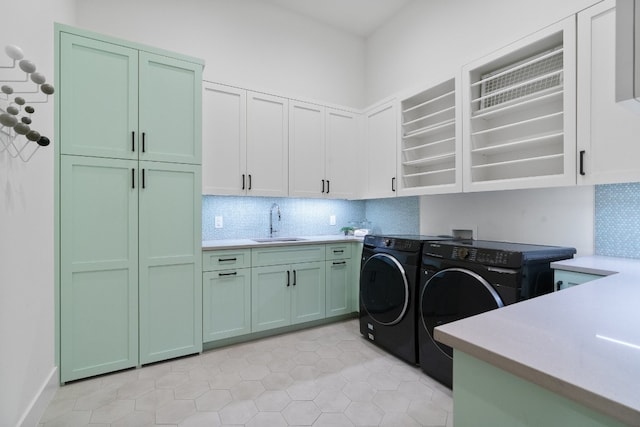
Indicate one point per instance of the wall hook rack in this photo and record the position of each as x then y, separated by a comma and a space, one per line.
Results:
17, 136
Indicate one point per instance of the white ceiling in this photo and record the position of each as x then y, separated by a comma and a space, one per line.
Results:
359, 17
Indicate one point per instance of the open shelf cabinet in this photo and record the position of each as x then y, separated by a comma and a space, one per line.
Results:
519, 113
430, 154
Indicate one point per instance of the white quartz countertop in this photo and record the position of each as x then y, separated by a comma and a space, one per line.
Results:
582, 342
208, 245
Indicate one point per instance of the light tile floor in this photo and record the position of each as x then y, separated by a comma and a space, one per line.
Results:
323, 376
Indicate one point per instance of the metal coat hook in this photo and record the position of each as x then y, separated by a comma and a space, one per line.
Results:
17, 137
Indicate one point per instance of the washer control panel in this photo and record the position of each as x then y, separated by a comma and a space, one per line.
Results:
472, 254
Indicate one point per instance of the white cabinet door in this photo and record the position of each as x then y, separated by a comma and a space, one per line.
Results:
306, 150
608, 146
380, 145
224, 140
267, 145
341, 149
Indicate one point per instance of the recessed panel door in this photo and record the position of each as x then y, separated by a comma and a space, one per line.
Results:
170, 109
170, 261
98, 98
99, 266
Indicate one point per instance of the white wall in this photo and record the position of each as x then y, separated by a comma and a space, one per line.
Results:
547, 216
26, 228
428, 40
243, 42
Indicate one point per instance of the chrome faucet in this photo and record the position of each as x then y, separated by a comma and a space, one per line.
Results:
271, 229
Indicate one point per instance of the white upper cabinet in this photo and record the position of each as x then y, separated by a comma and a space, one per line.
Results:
267, 145
519, 113
322, 147
342, 133
430, 155
380, 146
245, 142
608, 132
224, 140
306, 150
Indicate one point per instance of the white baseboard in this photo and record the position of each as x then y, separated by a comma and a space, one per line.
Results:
39, 404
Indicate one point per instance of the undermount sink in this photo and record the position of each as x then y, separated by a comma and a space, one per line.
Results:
278, 239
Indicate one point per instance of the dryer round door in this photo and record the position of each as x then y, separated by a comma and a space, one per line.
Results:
453, 294
384, 289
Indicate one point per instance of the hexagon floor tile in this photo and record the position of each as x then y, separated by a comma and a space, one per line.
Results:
323, 376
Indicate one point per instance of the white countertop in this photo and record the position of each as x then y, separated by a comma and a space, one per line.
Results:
208, 245
582, 342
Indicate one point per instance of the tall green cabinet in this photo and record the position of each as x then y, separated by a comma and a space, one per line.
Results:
128, 180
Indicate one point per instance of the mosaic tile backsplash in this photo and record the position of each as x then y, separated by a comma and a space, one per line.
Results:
617, 220
248, 217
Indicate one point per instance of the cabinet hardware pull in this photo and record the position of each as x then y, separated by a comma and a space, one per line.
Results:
323, 185
143, 141
243, 181
133, 141
582, 162
227, 259
339, 262
393, 184
288, 278
249, 188
133, 178
143, 185
328, 186
338, 251
294, 277
233, 273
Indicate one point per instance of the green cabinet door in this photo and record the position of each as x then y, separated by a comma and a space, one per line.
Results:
170, 109
226, 303
99, 266
270, 297
98, 98
307, 291
170, 261
339, 286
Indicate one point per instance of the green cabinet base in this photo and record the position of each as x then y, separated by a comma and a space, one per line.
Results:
484, 395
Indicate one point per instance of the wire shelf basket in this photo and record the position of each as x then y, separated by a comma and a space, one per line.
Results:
523, 78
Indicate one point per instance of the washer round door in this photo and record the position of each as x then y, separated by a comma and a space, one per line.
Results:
453, 294
384, 289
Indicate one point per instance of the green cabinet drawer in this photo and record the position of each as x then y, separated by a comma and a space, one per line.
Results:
564, 279
226, 259
338, 251
287, 255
